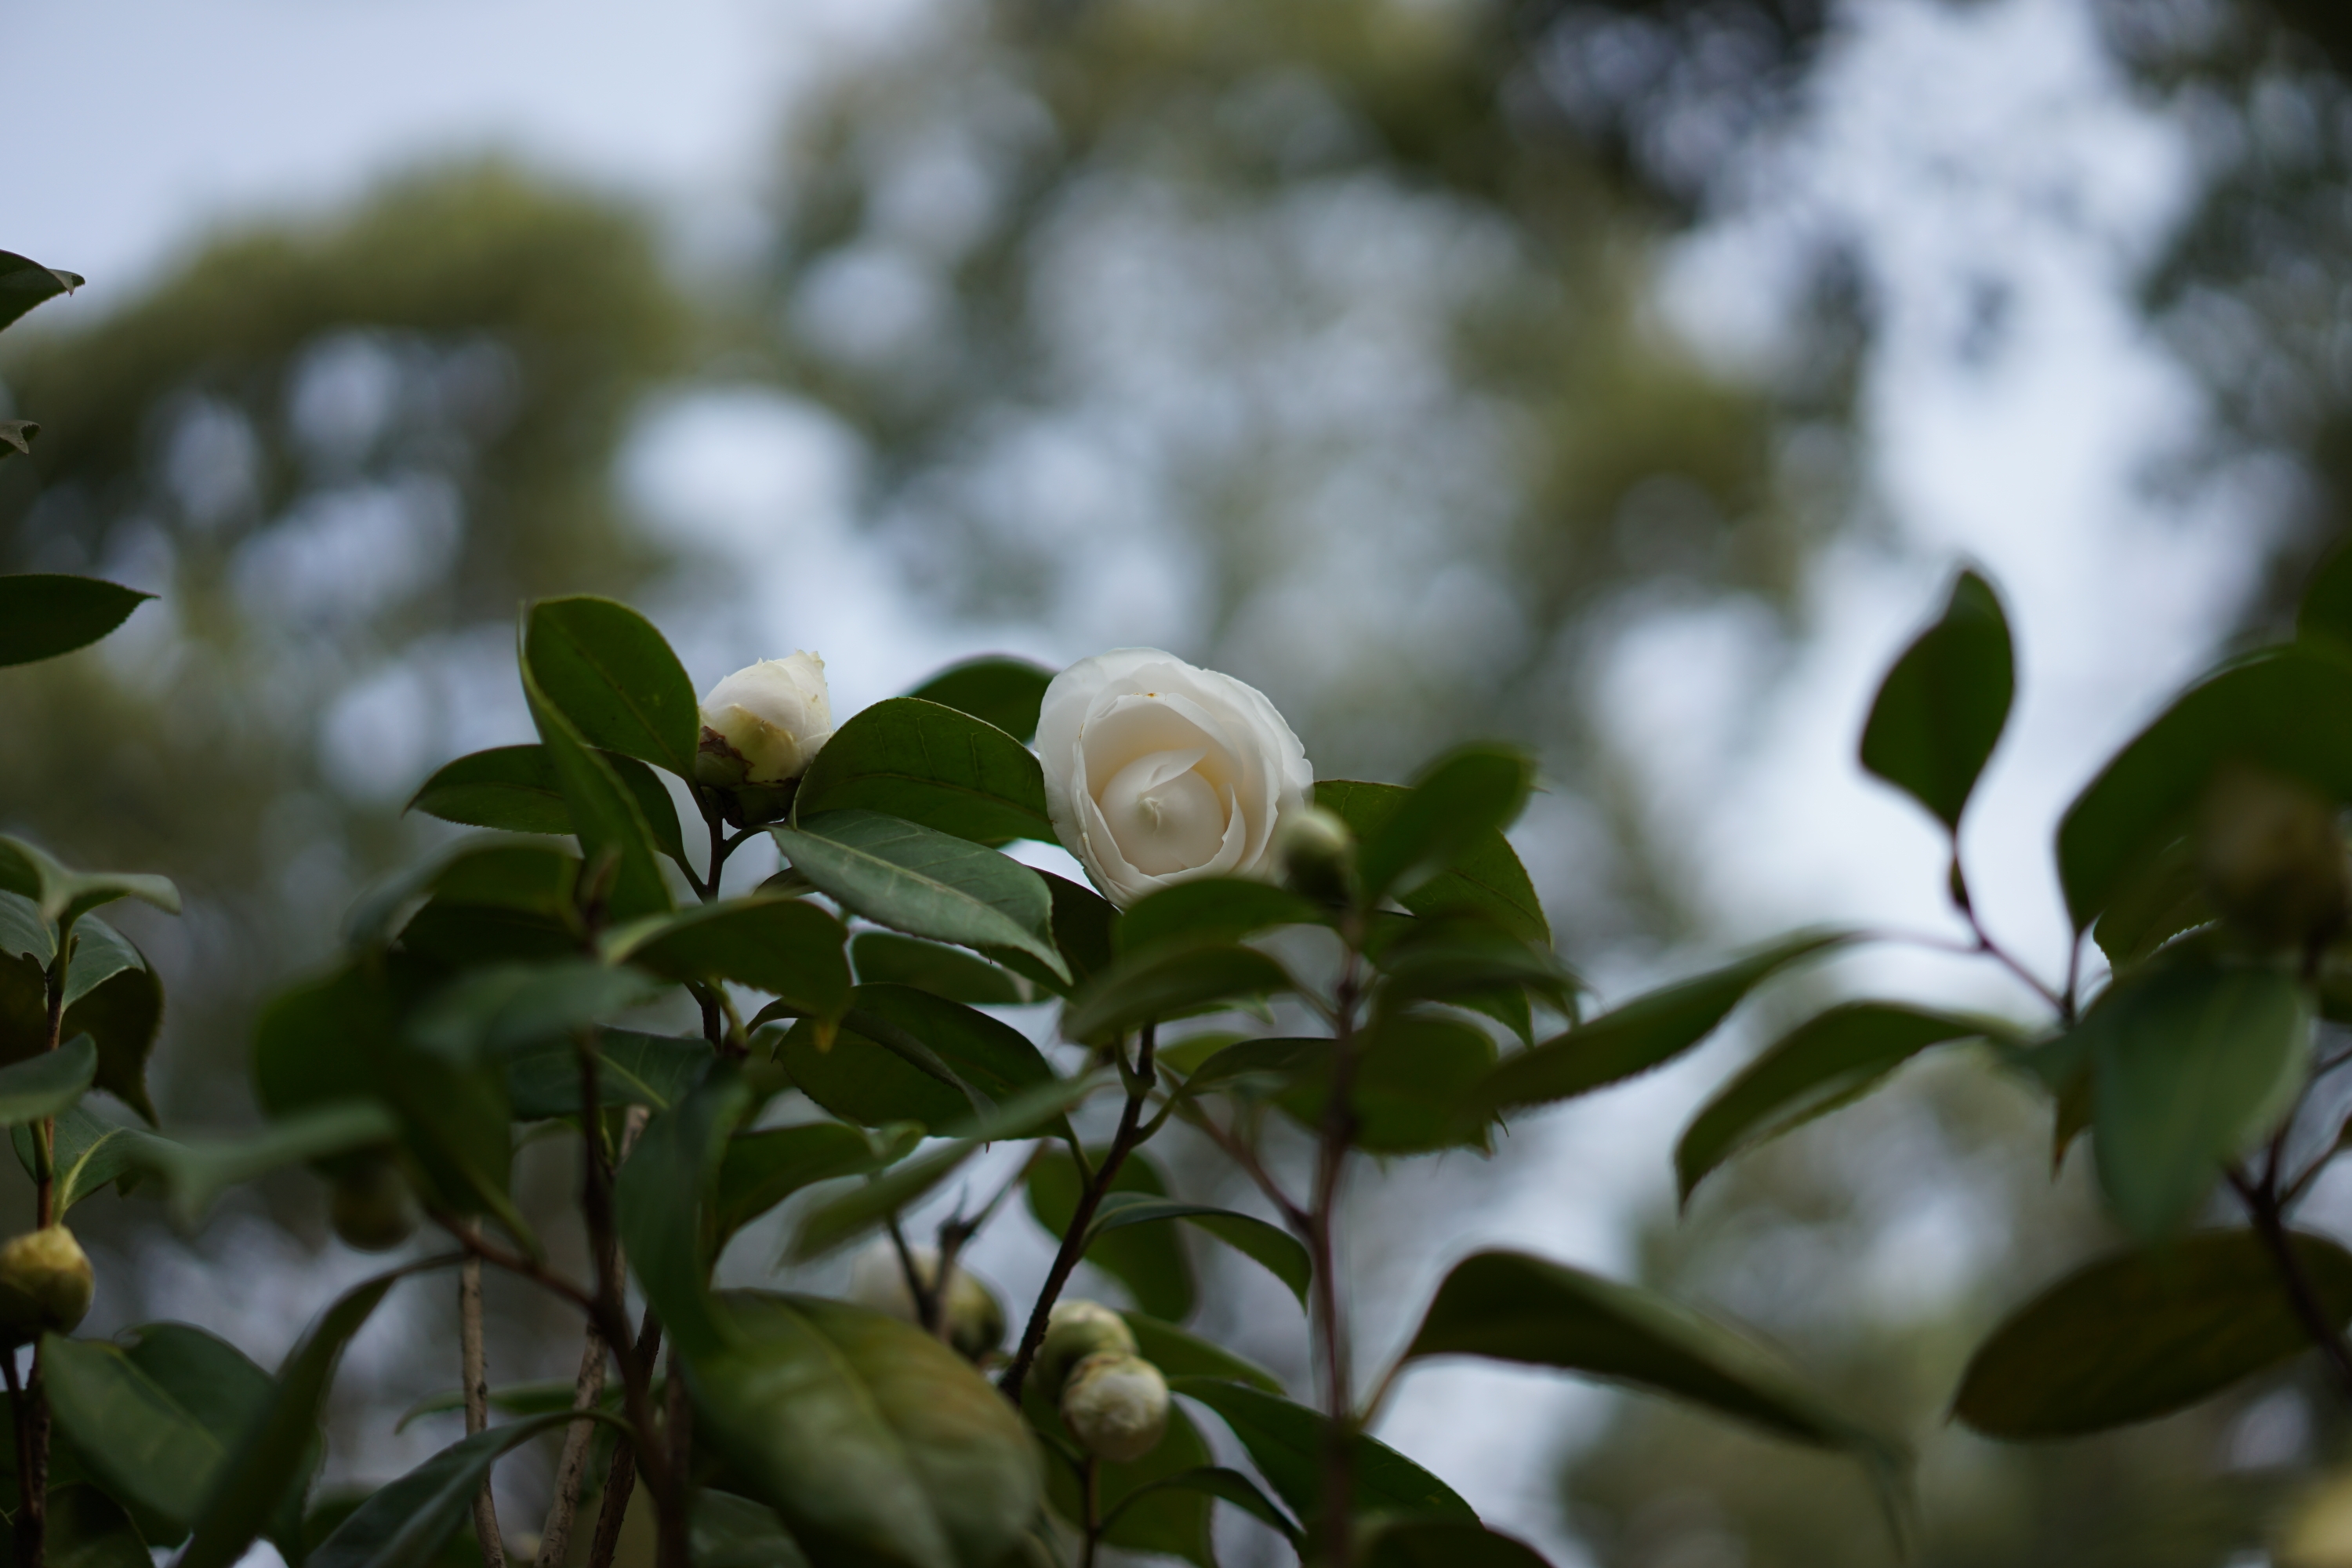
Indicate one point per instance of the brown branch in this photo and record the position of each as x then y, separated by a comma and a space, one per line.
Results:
1338, 1136
475, 1375
2262, 1208
587, 1393
621, 1475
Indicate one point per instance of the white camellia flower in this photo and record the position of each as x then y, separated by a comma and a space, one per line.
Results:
765, 723
1158, 773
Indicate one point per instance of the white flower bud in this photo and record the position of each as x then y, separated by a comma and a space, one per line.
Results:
765, 723
972, 1316
1318, 853
45, 1283
1074, 1329
1116, 1406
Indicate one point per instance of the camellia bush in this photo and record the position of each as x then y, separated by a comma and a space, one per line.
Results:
1366, 962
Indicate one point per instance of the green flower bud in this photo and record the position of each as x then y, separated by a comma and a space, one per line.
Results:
371, 1208
971, 1317
45, 1283
2272, 857
1116, 1405
1317, 854
1074, 1329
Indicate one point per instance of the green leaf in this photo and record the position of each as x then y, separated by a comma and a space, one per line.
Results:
788, 948
731, 1531
86, 1529
1285, 1443
111, 995
44, 1084
1647, 1032
1458, 801
45, 613
511, 788
869, 1437
995, 688
1508, 1306
1252, 1066
925, 883
1086, 926
23, 932
612, 674
1446, 1543
2281, 709
652, 1070
270, 1448
903, 1055
404, 1523
1943, 705
1149, 1260
1162, 982
610, 821
1461, 958
195, 1173
63, 897
17, 436
1827, 1061
757, 1170
1212, 910
661, 1202
487, 1012
90, 1154
885, 957
1413, 1085
1179, 1354
1485, 877
1141, 1509
2192, 1062
25, 283
507, 1399
2136, 1335
2164, 899
1274, 1248
909, 758
479, 872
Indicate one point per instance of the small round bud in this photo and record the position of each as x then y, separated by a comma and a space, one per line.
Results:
371, 1208
971, 1317
44, 1282
1074, 1329
765, 723
2273, 856
1316, 853
1116, 1405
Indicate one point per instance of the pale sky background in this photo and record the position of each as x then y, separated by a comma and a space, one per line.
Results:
1990, 141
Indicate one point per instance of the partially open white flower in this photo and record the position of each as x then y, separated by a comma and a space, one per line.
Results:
765, 723
1159, 773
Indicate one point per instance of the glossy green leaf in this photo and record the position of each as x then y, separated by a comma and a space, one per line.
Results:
1508, 1306
1212, 910
997, 688
1149, 1260
111, 995
85, 1529
2164, 899
885, 957
46, 1085
1486, 879
64, 896
1160, 983
25, 283
661, 1203
511, 788
1446, 1543
1412, 1088
1457, 958
1647, 1032
470, 936
903, 1055
194, 1173
925, 883
1272, 1248
2284, 710
45, 613
507, 1399
1179, 1355
789, 948
730, 1531
613, 675
487, 1012
614, 830
1086, 927
757, 1170
2136, 1335
652, 1070
270, 1448
1941, 710
90, 1154
1258, 1065
23, 932
1457, 802
931, 764
1827, 1061
2192, 1062
869, 1437
404, 1523
1286, 1442
1139, 1510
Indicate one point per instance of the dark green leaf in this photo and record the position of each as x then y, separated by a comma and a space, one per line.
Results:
44, 1084
492, 1011
1086, 926
788, 948
1261, 1064
2165, 898
925, 883
1941, 710
760, 1169
731, 1531
511, 788
871, 1438
508, 1399
89, 1154
1139, 1510
1168, 983
463, 936
86, 1529
45, 613
2324, 621
1286, 1442
1212, 910
1486, 879
1458, 801
1647, 1032
2136, 1335
2192, 1062
64, 896
882, 956
1823, 1063
662, 1200
483, 872
944, 769
1179, 1354
903, 1055
1446, 1543
23, 932
1003, 690
25, 283
111, 995
196, 1172
1149, 1260
404, 1524
652, 1070
17, 436
614, 828
1413, 1081
1455, 959
154, 1422
1280, 1253
611, 673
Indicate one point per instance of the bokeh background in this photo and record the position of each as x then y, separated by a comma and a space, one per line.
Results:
1625, 378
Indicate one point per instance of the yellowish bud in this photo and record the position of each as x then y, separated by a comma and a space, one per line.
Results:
971, 1319
1116, 1405
1074, 1329
45, 1283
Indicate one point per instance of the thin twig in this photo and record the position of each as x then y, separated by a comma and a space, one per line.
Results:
475, 1374
587, 1393
621, 1475
919, 1289
1338, 1136
1245, 1159
2263, 1209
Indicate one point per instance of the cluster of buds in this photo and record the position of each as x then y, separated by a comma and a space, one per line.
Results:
1113, 1402
971, 1320
44, 1284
